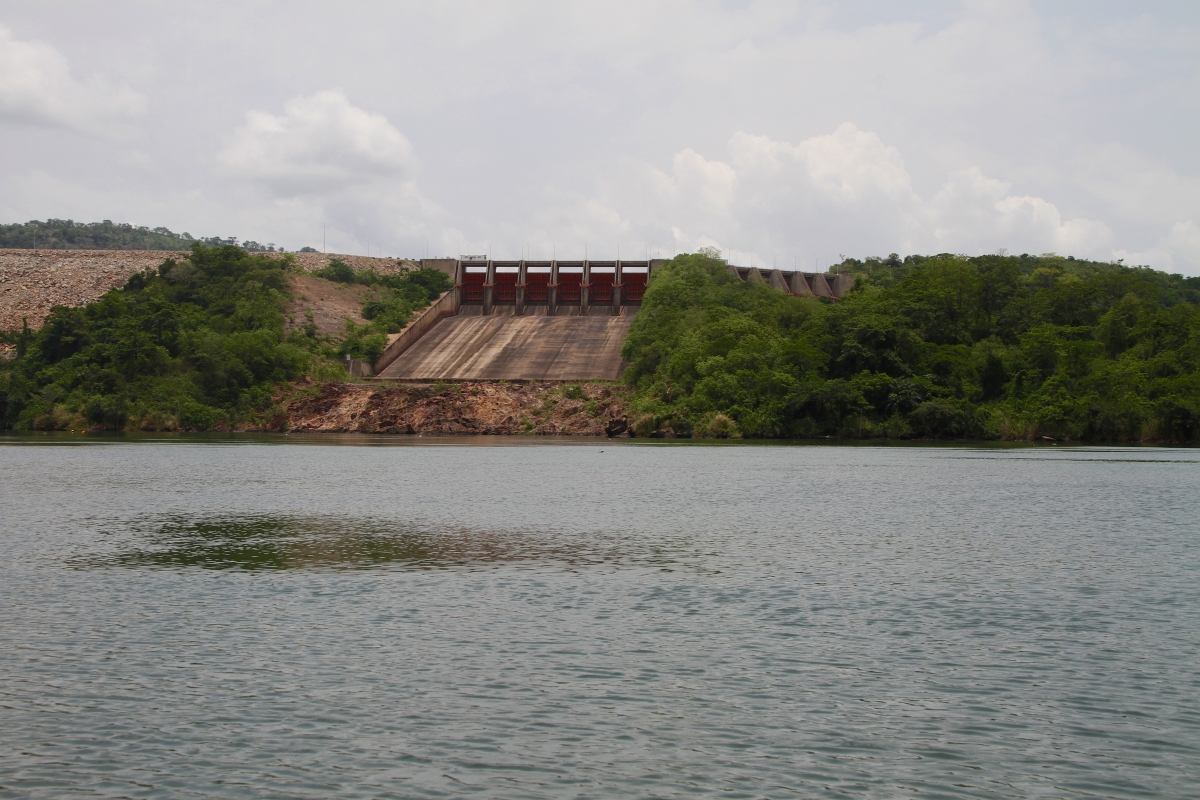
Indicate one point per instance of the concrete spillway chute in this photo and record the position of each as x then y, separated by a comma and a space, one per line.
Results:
544, 320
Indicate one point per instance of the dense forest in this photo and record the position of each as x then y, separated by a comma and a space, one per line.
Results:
199, 343
65, 234
1012, 347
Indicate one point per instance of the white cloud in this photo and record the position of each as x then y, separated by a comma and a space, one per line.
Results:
321, 143
707, 185
328, 165
1135, 186
1178, 251
1184, 242
844, 169
973, 213
37, 88
843, 192
976, 125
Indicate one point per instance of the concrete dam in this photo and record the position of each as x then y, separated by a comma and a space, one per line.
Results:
543, 320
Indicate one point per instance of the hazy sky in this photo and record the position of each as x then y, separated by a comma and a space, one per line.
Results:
785, 132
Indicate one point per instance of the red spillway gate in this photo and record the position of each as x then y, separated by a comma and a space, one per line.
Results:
633, 286
601, 290
537, 287
472, 285
569, 284
504, 290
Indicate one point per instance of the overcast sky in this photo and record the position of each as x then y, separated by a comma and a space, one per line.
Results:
785, 133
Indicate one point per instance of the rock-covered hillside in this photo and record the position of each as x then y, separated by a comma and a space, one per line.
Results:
32, 281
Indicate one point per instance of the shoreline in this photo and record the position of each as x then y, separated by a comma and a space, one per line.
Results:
356, 438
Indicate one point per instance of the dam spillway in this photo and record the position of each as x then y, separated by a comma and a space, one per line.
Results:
532, 348
522, 320
543, 320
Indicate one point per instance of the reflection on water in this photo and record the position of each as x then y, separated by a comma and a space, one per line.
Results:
272, 542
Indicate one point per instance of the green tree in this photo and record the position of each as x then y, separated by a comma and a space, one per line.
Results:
937, 346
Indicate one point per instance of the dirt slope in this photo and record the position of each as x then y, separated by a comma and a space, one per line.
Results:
328, 303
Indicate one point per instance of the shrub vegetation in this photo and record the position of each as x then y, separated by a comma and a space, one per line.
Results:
945, 347
197, 344
948, 347
395, 300
66, 234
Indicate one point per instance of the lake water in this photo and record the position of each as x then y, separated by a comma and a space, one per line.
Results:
373, 617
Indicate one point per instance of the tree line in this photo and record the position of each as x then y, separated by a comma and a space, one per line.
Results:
944, 347
948, 347
65, 234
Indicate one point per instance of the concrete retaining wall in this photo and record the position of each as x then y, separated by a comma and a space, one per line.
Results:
358, 368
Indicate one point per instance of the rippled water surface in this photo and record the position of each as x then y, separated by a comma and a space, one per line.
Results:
331, 618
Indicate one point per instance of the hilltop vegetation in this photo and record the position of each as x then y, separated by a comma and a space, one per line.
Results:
1013, 347
65, 234
396, 297
198, 343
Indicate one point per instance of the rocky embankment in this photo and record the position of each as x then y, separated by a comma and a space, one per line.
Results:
33, 281
588, 409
